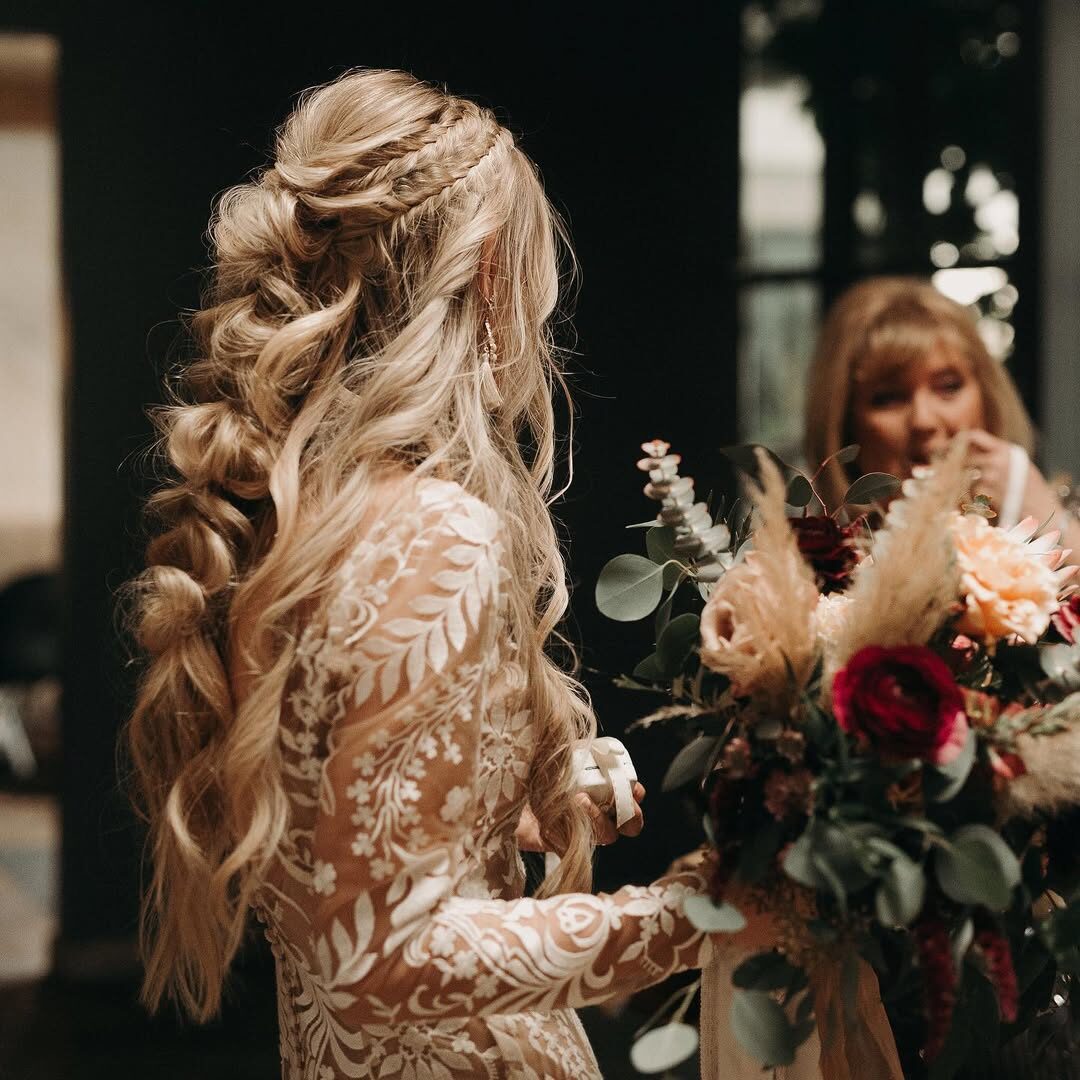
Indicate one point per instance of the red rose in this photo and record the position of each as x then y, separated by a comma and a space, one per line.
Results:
1066, 619
827, 547
904, 700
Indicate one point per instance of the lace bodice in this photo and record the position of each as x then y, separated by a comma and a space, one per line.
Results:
394, 907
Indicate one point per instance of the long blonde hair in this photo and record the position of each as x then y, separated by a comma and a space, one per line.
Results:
341, 337
895, 320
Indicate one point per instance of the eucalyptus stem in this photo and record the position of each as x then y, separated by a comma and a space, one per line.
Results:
698, 539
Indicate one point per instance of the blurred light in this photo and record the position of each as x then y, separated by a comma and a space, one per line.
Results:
1059, 1000
981, 185
997, 336
953, 158
999, 217
757, 27
869, 213
1004, 300
944, 254
937, 190
1008, 44
970, 284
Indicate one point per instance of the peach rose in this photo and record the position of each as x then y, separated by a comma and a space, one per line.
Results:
1009, 583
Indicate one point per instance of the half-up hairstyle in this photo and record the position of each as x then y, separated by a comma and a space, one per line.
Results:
340, 339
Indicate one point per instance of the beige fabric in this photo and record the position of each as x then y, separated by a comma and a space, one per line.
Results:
394, 908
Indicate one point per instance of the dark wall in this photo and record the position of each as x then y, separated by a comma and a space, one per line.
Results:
632, 118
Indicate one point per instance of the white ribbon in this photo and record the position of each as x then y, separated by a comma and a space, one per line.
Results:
1012, 500
611, 756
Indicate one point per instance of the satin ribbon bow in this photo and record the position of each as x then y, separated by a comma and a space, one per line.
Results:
611, 757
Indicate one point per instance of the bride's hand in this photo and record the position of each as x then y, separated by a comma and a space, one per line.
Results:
528, 830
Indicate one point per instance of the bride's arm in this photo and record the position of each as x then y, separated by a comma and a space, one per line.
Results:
399, 791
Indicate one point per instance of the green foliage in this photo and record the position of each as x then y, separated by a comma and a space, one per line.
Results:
943, 782
660, 544
762, 1028
690, 762
663, 1048
1061, 665
677, 642
629, 588
977, 867
799, 491
713, 918
765, 971
758, 851
900, 896
870, 488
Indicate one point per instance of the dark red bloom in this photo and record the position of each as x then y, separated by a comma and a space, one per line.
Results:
1066, 619
1002, 974
827, 547
939, 982
904, 701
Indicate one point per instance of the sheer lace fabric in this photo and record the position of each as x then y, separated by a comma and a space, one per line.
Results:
403, 944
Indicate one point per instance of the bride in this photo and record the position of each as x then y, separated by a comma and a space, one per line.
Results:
347, 721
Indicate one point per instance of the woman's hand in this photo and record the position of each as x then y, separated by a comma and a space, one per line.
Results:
991, 457
528, 830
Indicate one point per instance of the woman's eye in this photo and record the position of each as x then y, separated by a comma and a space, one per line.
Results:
950, 387
882, 399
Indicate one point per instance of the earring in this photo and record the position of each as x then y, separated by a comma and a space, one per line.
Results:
489, 355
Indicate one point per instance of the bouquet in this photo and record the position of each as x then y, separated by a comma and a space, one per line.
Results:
882, 713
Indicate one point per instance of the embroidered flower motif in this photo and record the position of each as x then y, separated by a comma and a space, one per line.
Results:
457, 799
324, 878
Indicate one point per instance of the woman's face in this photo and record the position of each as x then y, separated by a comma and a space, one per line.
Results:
902, 416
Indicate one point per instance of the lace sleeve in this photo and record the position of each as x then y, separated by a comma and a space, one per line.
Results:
415, 647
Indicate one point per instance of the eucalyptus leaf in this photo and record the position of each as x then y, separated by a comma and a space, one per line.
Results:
762, 1028
677, 641
629, 588
649, 669
847, 454
690, 762
870, 488
713, 918
799, 491
1061, 665
745, 457
758, 852
660, 544
943, 782
900, 895
663, 1048
961, 940
764, 971
977, 867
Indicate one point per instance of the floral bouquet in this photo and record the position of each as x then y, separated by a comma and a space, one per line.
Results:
883, 717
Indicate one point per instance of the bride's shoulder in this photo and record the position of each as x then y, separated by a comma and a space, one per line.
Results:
402, 507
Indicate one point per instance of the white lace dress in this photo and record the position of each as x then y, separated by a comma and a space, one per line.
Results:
394, 907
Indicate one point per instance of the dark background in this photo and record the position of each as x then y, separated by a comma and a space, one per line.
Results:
632, 115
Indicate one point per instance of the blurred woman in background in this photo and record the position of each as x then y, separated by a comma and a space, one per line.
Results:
900, 369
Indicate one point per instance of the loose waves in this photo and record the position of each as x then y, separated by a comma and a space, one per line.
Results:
340, 340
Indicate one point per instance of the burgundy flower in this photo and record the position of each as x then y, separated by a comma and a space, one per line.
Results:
1002, 974
904, 701
1066, 619
939, 982
788, 794
827, 547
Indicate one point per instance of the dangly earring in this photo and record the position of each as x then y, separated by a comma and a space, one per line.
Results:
489, 355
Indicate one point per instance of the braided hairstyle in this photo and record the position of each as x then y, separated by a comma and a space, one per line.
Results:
340, 338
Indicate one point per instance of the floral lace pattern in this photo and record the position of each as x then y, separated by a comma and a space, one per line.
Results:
403, 944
